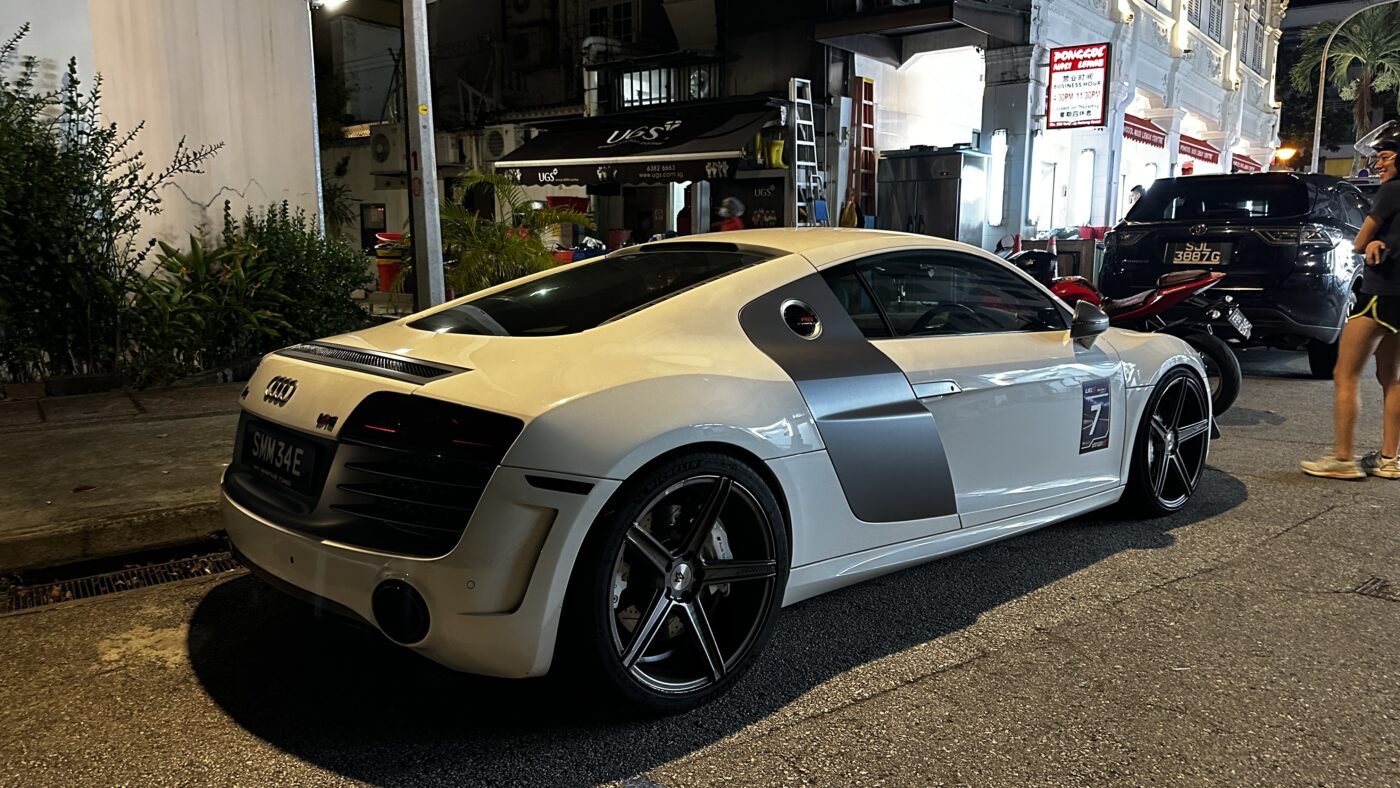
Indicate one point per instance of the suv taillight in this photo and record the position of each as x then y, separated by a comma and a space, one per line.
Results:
1278, 237
1124, 237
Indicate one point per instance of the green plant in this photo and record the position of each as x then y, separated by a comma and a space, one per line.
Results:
73, 194
317, 274
337, 201
488, 252
204, 308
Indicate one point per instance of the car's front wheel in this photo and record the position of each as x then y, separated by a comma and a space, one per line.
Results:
1173, 439
674, 592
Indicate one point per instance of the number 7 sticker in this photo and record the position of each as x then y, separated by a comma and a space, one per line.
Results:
1098, 409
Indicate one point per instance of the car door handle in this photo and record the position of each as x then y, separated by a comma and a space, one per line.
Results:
936, 388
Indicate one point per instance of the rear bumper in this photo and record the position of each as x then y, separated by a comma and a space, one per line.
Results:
1287, 317
494, 601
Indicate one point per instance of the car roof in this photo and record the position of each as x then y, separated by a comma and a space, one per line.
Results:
831, 241
1316, 179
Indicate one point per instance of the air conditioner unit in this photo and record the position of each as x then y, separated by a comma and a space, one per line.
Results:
493, 142
388, 151
451, 150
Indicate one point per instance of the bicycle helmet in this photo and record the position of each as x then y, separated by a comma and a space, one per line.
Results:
1385, 137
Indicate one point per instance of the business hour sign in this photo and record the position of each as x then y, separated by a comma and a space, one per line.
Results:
1078, 87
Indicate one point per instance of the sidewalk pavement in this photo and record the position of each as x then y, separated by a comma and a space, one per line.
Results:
99, 475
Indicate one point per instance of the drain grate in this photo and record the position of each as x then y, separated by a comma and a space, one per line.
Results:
1380, 588
28, 597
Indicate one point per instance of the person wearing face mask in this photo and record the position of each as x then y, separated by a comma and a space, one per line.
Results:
1373, 329
731, 212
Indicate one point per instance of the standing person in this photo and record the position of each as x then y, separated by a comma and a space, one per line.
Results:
731, 212
1374, 327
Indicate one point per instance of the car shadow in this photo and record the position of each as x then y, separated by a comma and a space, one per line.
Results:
346, 700
1250, 417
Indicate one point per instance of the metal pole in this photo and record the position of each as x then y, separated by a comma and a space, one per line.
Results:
422, 158
1322, 77
315, 121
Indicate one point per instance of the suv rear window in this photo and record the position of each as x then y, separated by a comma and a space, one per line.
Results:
586, 296
1205, 199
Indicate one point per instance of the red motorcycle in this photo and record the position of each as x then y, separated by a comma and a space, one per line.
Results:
1176, 306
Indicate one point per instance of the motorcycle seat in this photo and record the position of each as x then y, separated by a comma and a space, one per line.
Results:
1178, 277
1112, 306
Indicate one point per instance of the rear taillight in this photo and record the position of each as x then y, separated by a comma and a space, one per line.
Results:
1278, 237
1309, 235
432, 427
1124, 237
1317, 236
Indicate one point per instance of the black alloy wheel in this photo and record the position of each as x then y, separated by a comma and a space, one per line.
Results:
674, 592
1173, 440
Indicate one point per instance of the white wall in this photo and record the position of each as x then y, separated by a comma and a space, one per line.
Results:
935, 98
58, 30
207, 70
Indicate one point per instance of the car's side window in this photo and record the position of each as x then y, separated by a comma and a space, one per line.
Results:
855, 296
1357, 207
931, 293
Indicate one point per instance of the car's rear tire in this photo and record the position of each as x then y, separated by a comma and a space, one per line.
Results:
1321, 359
1173, 439
1222, 369
674, 592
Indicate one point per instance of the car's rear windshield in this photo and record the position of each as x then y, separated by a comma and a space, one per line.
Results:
1220, 199
586, 296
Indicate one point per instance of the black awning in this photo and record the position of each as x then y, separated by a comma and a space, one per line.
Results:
682, 145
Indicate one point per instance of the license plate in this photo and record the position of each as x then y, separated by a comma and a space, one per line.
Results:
1240, 322
280, 457
1198, 253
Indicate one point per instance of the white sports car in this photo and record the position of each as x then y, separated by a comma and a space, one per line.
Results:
632, 462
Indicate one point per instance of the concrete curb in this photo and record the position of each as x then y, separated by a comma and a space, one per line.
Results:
106, 537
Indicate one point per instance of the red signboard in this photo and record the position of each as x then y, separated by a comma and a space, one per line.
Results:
1144, 131
1246, 164
1199, 149
1078, 93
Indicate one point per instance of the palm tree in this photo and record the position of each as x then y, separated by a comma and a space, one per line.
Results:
1363, 61
483, 252
488, 252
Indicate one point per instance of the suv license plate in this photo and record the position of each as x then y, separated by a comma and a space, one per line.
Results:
1240, 322
1198, 253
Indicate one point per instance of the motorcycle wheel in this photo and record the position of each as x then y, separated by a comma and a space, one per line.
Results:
1222, 369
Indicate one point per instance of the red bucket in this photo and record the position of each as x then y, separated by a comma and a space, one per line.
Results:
388, 272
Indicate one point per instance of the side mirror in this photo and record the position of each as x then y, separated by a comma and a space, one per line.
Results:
1089, 322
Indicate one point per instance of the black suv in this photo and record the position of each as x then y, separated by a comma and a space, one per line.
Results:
1282, 239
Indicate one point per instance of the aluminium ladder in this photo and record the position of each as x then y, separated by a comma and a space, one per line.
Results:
808, 186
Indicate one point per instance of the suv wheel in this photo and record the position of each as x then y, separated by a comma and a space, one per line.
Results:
1321, 359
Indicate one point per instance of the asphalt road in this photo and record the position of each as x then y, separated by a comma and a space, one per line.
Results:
1223, 646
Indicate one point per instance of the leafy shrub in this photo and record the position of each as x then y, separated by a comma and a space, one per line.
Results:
481, 252
315, 274
203, 309
73, 193
274, 281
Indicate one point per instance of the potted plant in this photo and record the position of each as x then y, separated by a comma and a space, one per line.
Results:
485, 252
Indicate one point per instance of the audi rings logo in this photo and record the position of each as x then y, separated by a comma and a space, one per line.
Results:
1199, 229
279, 390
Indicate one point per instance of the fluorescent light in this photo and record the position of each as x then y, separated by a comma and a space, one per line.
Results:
996, 180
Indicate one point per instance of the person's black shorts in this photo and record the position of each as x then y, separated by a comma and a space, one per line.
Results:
1384, 309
